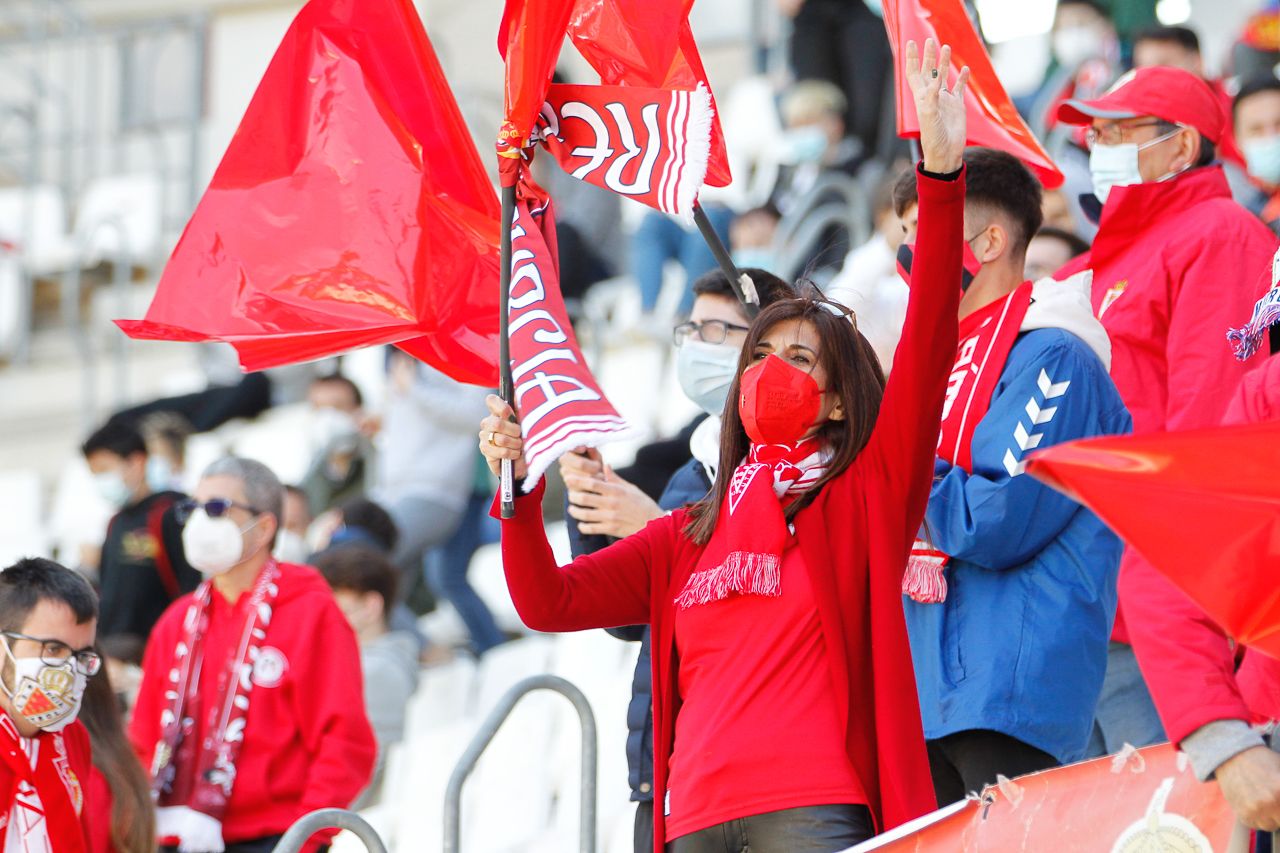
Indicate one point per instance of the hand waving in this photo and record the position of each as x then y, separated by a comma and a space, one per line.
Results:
940, 111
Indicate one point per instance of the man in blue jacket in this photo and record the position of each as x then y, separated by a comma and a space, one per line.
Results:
1011, 591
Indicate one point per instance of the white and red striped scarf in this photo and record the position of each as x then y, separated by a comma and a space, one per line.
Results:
744, 555
41, 810
192, 781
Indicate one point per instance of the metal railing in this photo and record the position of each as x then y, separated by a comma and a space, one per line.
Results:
308, 825
489, 728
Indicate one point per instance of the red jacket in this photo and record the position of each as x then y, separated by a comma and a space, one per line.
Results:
307, 742
855, 537
1175, 265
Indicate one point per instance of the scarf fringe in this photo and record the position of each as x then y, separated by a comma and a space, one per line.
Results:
924, 581
1247, 340
741, 572
196, 831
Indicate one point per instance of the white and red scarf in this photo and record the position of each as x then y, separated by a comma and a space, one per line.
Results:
560, 403
651, 145
986, 337
192, 781
744, 555
50, 792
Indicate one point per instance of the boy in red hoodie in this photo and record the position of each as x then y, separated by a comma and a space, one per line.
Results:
245, 720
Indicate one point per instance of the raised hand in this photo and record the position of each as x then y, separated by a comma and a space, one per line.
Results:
940, 110
500, 438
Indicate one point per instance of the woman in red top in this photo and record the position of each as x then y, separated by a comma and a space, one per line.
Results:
785, 711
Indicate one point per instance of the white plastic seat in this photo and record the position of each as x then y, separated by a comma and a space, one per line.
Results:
34, 220
110, 205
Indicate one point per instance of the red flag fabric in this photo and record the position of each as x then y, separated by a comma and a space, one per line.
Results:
647, 144
350, 209
529, 41
1202, 506
1138, 800
560, 404
993, 121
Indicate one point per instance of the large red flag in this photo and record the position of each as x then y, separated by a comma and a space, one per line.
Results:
993, 121
1202, 506
350, 209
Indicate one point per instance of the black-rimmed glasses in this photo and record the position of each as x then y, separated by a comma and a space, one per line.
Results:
214, 508
57, 653
708, 331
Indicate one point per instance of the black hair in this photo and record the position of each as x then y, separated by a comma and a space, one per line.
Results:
1251, 87
29, 581
769, 287
1092, 4
360, 569
1183, 37
339, 379
115, 437
371, 518
994, 181
1076, 244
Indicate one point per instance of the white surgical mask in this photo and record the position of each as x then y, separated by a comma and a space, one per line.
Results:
804, 144
46, 696
291, 547
1113, 166
113, 489
1263, 158
705, 372
1073, 46
333, 431
213, 545
160, 474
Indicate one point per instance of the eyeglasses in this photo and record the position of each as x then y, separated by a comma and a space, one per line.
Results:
214, 508
56, 653
708, 331
1114, 134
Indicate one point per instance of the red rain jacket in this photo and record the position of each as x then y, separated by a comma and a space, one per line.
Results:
1175, 265
855, 535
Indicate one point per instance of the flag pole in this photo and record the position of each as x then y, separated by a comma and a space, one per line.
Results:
506, 389
744, 290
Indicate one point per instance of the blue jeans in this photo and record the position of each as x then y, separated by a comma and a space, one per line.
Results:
660, 239
446, 573
1125, 713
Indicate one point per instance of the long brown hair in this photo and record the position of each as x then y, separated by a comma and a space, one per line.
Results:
133, 819
853, 373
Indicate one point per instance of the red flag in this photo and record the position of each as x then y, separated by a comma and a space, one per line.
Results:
993, 121
1202, 506
350, 209
529, 41
560, 404
650, 145
1147, 799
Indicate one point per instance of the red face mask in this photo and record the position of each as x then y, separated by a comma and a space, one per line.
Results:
971, 266
779, 402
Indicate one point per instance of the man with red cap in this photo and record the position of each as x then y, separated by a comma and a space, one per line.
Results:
1165, 267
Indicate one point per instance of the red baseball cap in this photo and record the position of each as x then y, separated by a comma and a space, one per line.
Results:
1167, 93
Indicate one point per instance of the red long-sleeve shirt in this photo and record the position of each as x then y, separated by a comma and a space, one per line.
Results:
307, 742
855, 536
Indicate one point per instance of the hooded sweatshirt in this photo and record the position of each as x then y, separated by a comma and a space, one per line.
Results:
307, 741
1019, 646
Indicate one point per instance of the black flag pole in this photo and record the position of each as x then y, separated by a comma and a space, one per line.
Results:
506, 389
741, 284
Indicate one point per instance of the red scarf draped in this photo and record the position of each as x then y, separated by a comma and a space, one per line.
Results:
60, 791
186, 772
745, 552
986, 337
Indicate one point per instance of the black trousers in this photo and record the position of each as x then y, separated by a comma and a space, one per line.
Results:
809, 829
969, 761
644, 827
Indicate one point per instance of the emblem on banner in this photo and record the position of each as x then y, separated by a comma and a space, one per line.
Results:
1162, 831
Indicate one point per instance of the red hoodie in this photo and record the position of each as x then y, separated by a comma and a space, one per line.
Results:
307, 742
1175, 265
855, 537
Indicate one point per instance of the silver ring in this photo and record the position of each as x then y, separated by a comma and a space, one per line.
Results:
934, 73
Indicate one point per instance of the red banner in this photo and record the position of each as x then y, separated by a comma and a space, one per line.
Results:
350, 209
650, 145
1138, 801
993, 121
559, 402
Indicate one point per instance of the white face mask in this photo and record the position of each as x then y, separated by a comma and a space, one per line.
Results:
291, 547
113, 489
46, 696
160, 477
1074, 46
333, 431
213, 545
1117, 165
705, 372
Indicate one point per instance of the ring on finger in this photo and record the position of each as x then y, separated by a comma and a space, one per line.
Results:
933, 73
493, 438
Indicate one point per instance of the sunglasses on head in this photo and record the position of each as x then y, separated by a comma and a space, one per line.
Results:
214, 508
